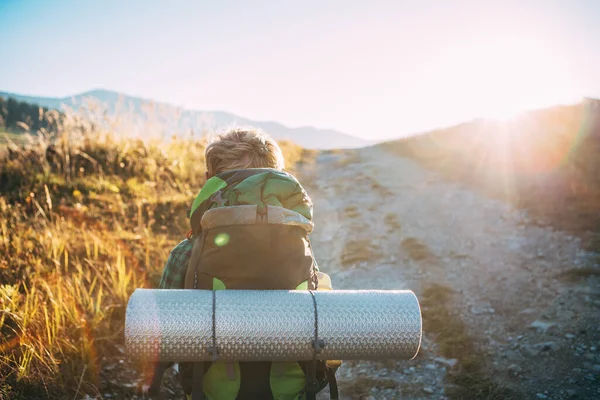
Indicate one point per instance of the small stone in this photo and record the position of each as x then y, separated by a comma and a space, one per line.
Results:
589, 356
485, 309
519, 337
430, 366
547, 346
593, 348
541, 396
596, 367
570, 336
428, 389
512, 354
449, 362
571, 392
514, 370
529, 350
542, 326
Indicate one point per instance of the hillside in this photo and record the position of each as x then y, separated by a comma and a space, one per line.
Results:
20, 116
545, 161
176, 119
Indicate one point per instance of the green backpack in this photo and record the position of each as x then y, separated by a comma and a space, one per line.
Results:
250, 230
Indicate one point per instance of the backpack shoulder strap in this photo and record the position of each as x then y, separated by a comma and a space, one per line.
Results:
192, 279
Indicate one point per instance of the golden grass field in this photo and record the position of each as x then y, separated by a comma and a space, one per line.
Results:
85, 218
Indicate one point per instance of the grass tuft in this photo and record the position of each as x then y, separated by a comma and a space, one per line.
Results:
576, 274
468, 381
357, 251
417, 250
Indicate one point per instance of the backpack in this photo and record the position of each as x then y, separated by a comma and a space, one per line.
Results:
250, 229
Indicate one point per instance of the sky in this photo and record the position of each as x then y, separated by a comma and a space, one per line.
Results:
374, 69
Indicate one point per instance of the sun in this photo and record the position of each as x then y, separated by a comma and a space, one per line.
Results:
505, 112
506, 75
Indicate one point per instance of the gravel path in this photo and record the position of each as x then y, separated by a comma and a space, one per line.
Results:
383, 222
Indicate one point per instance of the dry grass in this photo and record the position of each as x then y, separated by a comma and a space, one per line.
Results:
351, 211
296, 156
392, 223
576, 274
362, 386
378, 187
417, 250
357, 251
85, 218
350, 157
468, 381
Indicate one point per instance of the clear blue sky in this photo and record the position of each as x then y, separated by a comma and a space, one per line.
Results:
370, 68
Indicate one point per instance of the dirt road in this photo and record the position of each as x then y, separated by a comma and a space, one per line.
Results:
383, 222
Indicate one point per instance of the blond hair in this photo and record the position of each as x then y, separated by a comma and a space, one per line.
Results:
242, 148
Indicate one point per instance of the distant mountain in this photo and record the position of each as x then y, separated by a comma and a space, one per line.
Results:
184, 120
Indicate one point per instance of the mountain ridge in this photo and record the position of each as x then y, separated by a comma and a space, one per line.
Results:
201, 120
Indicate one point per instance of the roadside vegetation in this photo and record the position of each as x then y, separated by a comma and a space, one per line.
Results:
86, 216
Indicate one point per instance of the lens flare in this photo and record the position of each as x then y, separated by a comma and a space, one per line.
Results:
222, 239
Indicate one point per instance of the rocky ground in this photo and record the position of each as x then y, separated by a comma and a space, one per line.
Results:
528, 295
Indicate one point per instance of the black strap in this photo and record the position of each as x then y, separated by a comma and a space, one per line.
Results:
197, 381
312, 384
333, 386
159, 371
214, 352
198, 375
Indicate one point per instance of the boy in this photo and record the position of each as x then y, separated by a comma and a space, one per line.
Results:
244, 168
236, 149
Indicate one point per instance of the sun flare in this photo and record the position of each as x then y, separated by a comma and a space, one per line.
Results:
502, 76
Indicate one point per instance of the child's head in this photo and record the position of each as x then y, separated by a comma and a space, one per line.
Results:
242, 148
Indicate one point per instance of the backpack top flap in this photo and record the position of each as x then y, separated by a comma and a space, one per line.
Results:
261, 187
249, 222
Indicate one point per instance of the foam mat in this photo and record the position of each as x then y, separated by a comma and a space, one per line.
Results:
272, 325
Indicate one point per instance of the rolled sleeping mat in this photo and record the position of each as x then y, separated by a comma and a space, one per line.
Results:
272, 325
